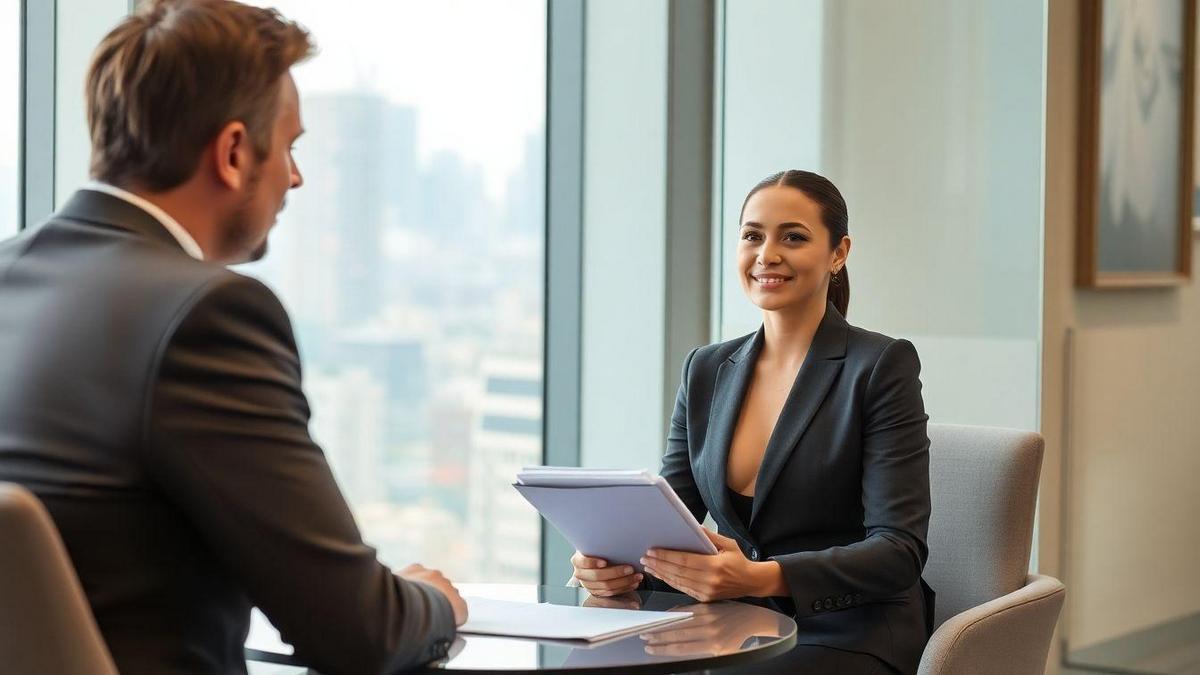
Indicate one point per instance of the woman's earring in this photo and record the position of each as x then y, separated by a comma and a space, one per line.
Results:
835, 276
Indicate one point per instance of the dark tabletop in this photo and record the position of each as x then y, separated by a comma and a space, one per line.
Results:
718, 634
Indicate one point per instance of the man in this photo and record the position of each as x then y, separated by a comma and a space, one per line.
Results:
151, 397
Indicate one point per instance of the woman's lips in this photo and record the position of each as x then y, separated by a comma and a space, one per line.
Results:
769, 282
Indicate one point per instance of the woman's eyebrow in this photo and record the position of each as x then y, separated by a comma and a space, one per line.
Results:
784, 226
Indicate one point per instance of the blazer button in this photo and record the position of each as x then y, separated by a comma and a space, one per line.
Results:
817, 606
754, 554
828, 603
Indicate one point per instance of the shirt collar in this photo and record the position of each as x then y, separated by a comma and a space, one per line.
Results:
171, 225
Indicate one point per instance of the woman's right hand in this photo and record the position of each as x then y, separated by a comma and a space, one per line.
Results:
599, 579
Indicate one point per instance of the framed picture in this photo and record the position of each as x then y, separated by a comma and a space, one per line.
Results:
1135, 146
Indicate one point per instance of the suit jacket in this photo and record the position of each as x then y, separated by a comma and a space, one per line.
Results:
153, 402
841, 500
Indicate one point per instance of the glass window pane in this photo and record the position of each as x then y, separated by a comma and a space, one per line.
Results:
10, 108
411, 263
928, 117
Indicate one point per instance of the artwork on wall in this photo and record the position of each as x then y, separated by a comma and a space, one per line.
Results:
1136, 137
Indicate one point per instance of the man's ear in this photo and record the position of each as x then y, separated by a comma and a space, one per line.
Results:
231, 155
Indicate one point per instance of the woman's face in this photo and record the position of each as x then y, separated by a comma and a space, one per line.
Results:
784, 256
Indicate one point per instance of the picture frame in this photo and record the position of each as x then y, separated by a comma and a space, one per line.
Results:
1137, 101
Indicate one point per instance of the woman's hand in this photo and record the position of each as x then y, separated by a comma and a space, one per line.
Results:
626, 601
600, 579
713, 629
728, 574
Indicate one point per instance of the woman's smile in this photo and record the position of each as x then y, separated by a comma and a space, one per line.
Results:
770, 281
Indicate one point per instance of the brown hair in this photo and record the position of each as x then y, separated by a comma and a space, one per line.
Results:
169, 77
834, 216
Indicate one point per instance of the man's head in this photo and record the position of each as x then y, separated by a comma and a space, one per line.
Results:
192, 100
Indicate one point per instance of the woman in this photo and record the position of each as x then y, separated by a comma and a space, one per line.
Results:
806, 443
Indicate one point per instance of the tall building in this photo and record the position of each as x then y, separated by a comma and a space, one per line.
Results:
360, 168
397, 361
349, 408
507, 436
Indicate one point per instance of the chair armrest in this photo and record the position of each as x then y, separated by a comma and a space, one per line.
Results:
1006, 636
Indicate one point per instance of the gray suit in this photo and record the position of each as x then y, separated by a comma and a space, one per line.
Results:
153, 402
842, 497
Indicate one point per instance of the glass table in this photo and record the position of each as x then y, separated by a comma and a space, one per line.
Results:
718, 634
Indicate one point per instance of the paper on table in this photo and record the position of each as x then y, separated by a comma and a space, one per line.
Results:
559, 622
264, 637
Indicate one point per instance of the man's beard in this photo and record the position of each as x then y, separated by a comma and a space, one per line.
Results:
238, 232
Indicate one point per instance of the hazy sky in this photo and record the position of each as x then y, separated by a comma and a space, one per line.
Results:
10, 63
474, 69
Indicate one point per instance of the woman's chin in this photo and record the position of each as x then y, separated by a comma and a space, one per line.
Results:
770, 302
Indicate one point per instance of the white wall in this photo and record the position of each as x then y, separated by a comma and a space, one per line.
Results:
1128, 412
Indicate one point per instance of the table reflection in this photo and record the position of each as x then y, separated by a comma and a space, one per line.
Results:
715, 630
719, 633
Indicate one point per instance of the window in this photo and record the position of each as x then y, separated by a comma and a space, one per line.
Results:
10, 110
411, 263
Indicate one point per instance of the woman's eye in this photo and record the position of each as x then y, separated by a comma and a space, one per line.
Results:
794, 236
749, 236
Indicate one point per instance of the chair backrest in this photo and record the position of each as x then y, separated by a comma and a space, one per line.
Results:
46, 625
983, 485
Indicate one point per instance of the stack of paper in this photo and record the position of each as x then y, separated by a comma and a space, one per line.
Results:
614, 515
558, 622
573, 476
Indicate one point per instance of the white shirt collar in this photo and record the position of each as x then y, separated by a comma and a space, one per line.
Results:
181, 235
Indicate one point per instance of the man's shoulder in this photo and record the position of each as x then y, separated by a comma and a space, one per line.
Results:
144, 281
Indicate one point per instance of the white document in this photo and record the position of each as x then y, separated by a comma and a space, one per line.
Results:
264, 637
612, 514
558, 622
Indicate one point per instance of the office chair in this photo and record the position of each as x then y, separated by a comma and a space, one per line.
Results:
992, 616
46, 625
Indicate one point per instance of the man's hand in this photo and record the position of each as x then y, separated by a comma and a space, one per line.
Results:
437, 580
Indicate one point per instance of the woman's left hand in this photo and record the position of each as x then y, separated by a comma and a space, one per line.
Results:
705, 577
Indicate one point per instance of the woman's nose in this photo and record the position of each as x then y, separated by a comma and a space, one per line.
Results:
767, 255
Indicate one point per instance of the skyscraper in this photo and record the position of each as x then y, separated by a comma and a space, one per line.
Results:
507, 436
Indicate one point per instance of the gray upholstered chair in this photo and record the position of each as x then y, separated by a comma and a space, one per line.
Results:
992, 615
46, 625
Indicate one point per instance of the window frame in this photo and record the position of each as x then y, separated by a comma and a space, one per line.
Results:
36, 111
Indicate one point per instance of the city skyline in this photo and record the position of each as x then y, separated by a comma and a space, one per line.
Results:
411, 288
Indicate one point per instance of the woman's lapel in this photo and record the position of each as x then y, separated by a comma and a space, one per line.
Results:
817, 375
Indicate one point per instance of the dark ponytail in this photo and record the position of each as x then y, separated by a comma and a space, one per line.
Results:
833, 213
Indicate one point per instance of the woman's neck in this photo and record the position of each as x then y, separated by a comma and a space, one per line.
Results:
788, 334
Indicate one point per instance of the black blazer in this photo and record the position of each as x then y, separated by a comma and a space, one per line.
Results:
842, 496
153, 402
